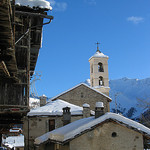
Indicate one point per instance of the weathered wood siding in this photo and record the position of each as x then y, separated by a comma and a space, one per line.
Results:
12, 94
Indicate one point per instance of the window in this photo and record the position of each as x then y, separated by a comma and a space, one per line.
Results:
100, 67
114, 134
82, 95
51, 124
101, 81
92, 68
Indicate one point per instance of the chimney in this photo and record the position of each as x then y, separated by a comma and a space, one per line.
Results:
86, 110
42, 100
66, 115
99, 109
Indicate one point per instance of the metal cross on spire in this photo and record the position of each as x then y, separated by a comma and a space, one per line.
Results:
98, 47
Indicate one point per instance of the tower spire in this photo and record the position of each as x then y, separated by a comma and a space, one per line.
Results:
98, 47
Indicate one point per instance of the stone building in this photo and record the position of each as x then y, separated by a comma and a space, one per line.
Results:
108, 132
49, 117
53, 115
82, 93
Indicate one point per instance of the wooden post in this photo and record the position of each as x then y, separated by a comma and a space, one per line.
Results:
13, 21
28, 62
0, 139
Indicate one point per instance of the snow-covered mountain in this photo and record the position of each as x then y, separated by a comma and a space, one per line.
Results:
129, 94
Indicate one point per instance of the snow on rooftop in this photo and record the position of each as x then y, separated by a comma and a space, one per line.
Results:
55, 108
44, 4
15, 130
99, 54
86, 105
77, 127
14, 141
99, 104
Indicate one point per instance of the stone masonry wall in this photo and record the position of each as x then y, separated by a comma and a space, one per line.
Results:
83, 94
101, 139
39, 126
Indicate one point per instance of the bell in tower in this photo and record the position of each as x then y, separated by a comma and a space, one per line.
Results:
99, 71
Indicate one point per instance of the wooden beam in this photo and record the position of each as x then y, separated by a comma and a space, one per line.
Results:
4, 67
33, 14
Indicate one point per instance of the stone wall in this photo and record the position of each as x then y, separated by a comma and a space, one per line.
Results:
83, 94
39, 126
109, 136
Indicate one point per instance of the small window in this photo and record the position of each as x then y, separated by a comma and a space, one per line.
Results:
100, 67
51, 124
101, 81
114, 134
92, 68
82, 95
92, 82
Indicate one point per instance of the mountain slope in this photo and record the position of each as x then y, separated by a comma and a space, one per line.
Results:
126, 92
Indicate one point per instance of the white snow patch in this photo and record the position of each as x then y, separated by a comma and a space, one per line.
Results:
13, 141
98, 54
86, 105
88, 82
99, 104
71, 130
55, 108
34, 103
34, 3
128, 92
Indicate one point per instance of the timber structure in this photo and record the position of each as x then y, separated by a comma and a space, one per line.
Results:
20, 41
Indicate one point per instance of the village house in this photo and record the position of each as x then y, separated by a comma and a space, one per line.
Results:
50, 116
107, 131
13, 142
82, 93
53, 115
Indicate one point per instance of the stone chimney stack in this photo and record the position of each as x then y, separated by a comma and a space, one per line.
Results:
66, 116
99, 109
42, 100
86, 110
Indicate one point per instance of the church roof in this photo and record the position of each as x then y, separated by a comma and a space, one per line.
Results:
99, 54
57, 96
76, 128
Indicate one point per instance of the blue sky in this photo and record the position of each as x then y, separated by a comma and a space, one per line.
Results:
121, 26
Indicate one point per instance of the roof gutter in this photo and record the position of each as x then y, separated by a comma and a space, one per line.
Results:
36, 15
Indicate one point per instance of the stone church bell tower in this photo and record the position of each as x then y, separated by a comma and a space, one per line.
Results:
99, 71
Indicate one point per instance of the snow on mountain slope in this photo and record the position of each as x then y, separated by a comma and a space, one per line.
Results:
34, 102
127, 92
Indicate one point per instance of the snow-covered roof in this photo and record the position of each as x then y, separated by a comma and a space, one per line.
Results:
44, 4
55, 97
99, 54
14, 141
78, 127
54, 108
15, 130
